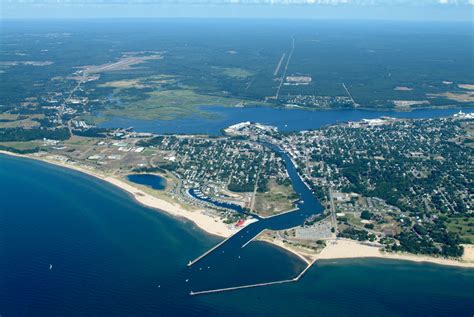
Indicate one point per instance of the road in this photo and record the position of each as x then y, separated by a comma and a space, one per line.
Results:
333, 213
350, 96
286, 68
277, 69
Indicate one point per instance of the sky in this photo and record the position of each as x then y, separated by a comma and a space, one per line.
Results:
435, 10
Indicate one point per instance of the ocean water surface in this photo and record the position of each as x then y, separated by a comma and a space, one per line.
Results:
74, 245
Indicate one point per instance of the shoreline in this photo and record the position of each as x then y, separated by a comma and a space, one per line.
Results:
209, 224
335, 249
303, 256
351, 249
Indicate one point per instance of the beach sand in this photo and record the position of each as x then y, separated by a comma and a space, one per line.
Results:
212, 225
335, 249
347, 249
351, 249
306, 256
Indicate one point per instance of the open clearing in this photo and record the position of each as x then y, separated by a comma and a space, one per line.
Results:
235, 72
456, 96
462, 226
140, 83
466, 86
277, 199
125, 63
170, 104
17, 121
28, 145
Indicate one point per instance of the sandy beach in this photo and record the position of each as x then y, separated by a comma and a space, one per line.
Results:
209, 224
335, 249
351, 249
346, 249
212, 225
307, 256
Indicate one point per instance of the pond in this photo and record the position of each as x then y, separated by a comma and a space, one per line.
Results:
153, 181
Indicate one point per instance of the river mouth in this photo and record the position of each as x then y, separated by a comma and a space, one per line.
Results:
235, 247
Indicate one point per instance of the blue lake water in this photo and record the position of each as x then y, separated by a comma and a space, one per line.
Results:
153, 181
111, 256
284, 119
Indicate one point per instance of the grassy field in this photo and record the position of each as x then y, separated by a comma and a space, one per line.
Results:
16, 121
169, 105
456, 96
8, 116
22, 145
91, 119
139, 83
235, 72
276, 200
126, 83
463, 226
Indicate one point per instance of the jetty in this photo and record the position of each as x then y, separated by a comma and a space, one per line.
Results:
211, 250
301, 205
254, 237
234, 288
220, 290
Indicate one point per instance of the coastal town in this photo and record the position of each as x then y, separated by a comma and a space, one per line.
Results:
236, 158
400, 185
344, 165
403, 184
